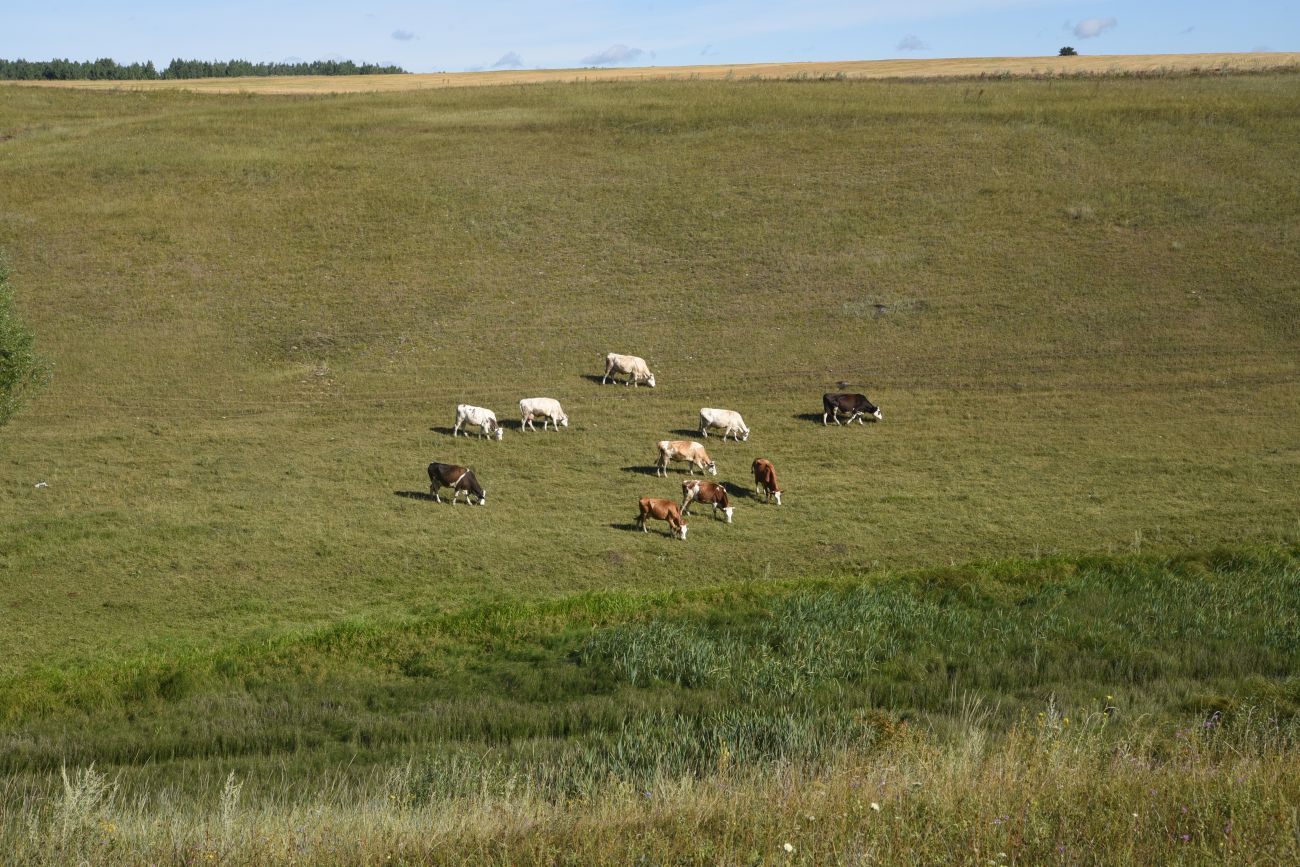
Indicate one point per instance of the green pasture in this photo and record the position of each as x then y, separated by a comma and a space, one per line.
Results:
1075, 301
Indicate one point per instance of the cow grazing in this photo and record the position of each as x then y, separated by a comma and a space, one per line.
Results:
765, 480
635, 368
486, 420
709, 493
727, 421
855, 406
458, 479
546, 408
661, 510
681, 450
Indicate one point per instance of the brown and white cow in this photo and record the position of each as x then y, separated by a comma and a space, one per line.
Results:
458, 479
688, 451
765, 480
661, 510
709, 493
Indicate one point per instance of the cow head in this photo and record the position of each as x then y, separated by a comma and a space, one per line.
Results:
563, 420
878, 415
777, 494
745, 436
482, 498
650, 381
711, 468
495, 429
681, 531
727, 511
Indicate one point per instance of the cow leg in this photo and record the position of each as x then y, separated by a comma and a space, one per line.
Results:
433, 492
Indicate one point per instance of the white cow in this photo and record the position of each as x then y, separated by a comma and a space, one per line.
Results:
486, 420
726, 420
548, 409
636, 369
682, 450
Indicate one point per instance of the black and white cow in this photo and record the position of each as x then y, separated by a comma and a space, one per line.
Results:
855, 406
459, 479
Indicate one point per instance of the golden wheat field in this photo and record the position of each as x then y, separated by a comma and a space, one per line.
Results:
954, 67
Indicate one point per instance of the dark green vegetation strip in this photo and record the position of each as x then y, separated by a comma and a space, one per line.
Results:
669, 682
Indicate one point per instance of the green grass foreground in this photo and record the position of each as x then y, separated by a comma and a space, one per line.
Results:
1055, 697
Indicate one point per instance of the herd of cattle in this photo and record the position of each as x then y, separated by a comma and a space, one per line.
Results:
855, 407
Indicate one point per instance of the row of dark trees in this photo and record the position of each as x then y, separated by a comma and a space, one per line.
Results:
105, 69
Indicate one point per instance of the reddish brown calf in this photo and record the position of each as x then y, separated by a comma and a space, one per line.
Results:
661, 510
765, 480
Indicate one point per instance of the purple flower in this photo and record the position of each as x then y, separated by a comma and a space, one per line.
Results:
1187, 837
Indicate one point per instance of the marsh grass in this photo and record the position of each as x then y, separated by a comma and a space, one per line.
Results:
1042, 792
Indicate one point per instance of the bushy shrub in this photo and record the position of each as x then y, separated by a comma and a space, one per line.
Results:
22, 371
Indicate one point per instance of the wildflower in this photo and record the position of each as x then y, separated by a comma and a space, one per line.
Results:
1135, 815
1187, 837
875, 806
788, 847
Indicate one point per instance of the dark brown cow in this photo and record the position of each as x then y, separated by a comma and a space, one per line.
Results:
855, 406
709, 493
765, 480
458, 479
661, 510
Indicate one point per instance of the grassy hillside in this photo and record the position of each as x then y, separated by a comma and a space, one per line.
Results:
233, 629
1075, 301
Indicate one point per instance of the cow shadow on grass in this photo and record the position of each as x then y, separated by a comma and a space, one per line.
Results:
473, 433
808, 416
423, 496
630, 525
684, 432
740, 492
593, 377
641, 471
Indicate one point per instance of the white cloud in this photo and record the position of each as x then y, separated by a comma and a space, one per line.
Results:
911, 42
403, 35
613, 54
509, 59
1089, 28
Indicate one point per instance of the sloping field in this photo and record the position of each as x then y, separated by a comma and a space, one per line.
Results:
955, 67
1076, 301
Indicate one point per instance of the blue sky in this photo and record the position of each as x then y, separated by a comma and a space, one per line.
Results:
510, 34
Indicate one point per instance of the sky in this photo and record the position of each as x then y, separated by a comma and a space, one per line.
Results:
461, 35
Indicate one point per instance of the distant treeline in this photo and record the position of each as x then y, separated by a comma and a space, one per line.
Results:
106, 69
